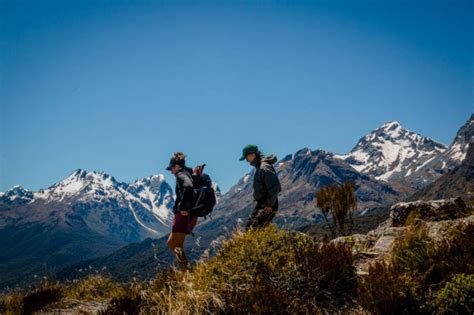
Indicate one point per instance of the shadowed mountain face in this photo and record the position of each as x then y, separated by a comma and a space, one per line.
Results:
86, 215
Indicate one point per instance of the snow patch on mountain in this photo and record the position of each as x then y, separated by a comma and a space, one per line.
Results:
457, 153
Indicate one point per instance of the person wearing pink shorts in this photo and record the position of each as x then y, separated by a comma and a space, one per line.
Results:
183, 222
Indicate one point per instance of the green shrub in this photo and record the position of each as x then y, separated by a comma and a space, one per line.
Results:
414, 254
457, 296
435, 263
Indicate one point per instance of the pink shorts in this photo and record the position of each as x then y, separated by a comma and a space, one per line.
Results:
183, 223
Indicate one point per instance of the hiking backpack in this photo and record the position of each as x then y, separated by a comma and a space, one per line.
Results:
204, 194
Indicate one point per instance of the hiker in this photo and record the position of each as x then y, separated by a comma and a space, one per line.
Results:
266, 186
183, 222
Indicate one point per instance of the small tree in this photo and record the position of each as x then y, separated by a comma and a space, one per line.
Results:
338, 202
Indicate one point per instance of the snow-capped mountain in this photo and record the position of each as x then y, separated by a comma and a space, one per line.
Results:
446, 161
148, 200
392, 152
85, 215
81, 185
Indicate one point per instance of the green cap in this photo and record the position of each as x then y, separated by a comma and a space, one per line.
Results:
251, 148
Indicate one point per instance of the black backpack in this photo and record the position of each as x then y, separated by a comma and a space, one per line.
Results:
204, 194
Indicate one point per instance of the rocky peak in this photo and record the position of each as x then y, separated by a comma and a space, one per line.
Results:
16, 195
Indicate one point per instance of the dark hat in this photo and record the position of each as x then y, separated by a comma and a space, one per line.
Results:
251, 148
174, 161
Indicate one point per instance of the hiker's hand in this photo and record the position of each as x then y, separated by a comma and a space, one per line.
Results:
185, 213
268, 210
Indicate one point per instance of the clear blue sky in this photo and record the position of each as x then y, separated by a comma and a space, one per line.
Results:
118, 86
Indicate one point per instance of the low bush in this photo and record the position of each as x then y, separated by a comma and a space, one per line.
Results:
457, 296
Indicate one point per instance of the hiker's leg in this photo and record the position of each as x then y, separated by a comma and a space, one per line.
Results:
176, 243
170, 242
253, 219
260, 218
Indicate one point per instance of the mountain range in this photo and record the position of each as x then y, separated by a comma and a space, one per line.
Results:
88, 214
91, 214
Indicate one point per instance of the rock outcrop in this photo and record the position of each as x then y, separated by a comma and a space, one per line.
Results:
440, 217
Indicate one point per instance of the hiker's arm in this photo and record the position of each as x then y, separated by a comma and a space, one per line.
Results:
272, 184
178, 198
187, 193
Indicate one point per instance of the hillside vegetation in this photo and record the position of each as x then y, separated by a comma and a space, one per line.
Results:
428, 270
